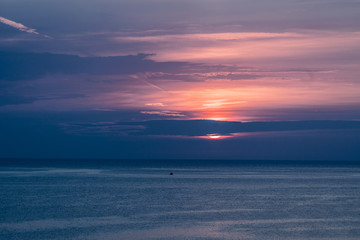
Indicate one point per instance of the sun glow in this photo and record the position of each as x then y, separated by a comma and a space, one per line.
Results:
216, 118
214, 136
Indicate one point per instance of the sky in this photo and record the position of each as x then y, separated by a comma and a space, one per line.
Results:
166, 79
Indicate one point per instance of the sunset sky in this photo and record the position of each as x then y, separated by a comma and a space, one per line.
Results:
199, 79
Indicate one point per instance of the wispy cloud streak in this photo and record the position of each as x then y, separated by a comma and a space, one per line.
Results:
20, 27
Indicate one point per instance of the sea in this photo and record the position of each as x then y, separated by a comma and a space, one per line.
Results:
179, 199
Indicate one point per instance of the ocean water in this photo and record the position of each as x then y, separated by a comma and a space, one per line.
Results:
254, 202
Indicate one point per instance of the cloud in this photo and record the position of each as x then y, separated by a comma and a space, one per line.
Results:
18, 26
164, 113
21, 27
194, 128
223, 36
109, 135
252, 47
155, 104
14, 100
132, 82
27, 66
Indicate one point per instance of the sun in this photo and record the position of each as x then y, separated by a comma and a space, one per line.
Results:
213, 136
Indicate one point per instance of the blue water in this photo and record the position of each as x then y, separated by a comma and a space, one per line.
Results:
198, 202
